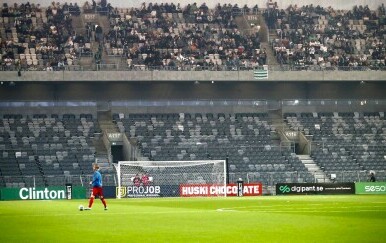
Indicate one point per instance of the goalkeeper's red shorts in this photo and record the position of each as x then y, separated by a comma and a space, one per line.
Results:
97, 191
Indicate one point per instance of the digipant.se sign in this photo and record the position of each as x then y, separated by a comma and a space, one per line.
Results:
314, 188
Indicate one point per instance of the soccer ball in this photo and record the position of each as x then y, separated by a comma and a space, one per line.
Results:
81, 207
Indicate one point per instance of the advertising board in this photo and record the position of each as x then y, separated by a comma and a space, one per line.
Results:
42, 193
314, 188
370, 188
249, 189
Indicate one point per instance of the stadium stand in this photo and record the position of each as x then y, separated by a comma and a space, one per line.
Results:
316, 37
39, 38
36, 38
348, 142
49, 148
244, 139
52, 149
45, 147
175, 37
166, 35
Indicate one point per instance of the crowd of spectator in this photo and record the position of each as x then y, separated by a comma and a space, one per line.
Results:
37, 38
168, 35
328, 38
175, 37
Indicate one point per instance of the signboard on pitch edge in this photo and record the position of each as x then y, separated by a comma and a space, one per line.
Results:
249, 189
314, 188
370, 188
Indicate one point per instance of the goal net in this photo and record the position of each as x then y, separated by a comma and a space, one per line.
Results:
171, 178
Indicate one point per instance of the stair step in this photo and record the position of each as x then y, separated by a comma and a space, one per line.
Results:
307, 161
78, 24
311, 166
86, 61
313, 169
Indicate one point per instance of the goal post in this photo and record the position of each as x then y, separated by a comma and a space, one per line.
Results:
168, 178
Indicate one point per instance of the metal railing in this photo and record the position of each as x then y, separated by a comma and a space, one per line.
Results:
268, 179
125, 106
350, 145
195, 73
123, 66
53, 180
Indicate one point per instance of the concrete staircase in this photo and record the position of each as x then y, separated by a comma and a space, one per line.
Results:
106, 59
106, 124
242, 24
271, 59
277, 120
103, 20
312, 167
78, 25
245, 27
100, 148
272, 35
101, 155
263, 33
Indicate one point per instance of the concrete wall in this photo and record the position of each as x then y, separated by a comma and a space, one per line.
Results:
191, 76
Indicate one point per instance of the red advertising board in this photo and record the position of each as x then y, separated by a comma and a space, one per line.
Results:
192, 190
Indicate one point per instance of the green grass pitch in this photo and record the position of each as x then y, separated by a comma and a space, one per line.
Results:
246, 219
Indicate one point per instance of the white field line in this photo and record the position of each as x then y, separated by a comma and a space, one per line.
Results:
288, 204
256, 208
305, 211
92, 212
354, 208
234, 210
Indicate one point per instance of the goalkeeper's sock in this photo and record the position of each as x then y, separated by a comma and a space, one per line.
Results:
91, 202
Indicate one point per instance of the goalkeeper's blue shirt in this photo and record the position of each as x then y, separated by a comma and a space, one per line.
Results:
97, 179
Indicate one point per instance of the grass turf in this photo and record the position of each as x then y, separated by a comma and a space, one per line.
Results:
249, 219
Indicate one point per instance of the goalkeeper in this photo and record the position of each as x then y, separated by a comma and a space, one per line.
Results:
97, 189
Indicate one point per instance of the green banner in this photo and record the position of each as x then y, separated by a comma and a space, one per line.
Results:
79, 192
370, 188
41, 193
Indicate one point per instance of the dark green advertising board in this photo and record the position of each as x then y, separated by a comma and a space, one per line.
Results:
41, 193
315, 188
370, 188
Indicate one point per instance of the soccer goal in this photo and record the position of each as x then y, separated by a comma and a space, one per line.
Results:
171, 178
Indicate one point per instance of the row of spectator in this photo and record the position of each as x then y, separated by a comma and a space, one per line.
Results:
189, 35
172, 35
33, 37
313, 35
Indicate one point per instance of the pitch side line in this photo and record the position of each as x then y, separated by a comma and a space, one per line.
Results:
298, 210
303, 209
92, 212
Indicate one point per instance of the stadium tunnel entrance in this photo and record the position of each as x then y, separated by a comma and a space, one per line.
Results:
117, 152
